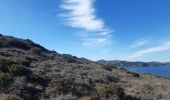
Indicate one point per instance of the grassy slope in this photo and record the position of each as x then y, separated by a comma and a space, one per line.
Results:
61, 77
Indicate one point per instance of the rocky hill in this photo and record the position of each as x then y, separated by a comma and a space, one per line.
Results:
132, 64
28, 71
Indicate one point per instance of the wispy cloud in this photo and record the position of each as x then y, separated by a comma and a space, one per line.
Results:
90, 42
159, 48
140, 42
81, 14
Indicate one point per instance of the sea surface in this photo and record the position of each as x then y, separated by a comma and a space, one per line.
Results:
163, 71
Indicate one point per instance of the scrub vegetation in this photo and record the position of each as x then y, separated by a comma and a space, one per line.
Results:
28, 71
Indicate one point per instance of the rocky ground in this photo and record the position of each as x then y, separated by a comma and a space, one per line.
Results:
28, 71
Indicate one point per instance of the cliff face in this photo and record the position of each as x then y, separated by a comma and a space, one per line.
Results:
28, 71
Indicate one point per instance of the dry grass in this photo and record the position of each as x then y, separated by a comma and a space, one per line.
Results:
9, 97
147, 87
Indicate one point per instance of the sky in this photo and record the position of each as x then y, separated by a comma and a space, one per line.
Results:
133, 30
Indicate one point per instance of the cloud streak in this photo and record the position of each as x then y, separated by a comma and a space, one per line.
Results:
139, 43
81, 14
95, 41
159, 48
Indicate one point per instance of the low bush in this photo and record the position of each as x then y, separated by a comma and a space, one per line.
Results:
69, 58
112, 79
19, 44
5, 80
83, 89
35, 51
36, 79
5, 63
129, 97
107, 67
133, 74
18, 70
63, 85
24, 62
113, 92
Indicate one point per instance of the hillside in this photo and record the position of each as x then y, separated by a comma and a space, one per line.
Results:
132, 64
29, 71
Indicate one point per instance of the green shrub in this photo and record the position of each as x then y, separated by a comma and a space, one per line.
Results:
113, 91
69, 58
19, 44
5, 80
112, 79
35, 51
18, 70
133, 74
107, 67
63, 85
24, 62
5, 63
129, 97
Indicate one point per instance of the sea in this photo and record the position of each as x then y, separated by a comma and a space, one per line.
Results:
163, 71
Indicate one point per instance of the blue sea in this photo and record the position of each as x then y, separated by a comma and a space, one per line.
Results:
158, 71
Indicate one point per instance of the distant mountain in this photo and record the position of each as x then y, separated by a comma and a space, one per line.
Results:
132, 64
29, 71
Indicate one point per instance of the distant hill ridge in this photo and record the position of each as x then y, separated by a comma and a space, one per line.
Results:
133, 64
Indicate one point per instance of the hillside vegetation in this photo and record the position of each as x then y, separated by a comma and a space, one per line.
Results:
28, 71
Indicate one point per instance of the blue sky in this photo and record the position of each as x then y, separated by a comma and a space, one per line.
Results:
135, 30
